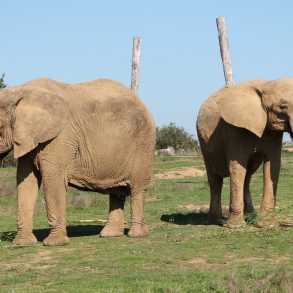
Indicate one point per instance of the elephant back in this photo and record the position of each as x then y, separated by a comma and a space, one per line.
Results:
101, 90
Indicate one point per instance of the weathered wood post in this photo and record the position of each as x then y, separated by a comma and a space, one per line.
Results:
224, 48
135, 64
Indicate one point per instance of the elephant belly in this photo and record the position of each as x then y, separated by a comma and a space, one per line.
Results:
98, 177
85, 182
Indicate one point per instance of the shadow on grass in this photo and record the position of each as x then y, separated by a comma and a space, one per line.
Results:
199, 218
72, 231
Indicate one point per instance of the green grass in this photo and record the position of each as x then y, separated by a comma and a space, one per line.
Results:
182, 253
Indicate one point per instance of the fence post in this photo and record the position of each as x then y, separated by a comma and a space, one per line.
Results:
135, 64
224, 48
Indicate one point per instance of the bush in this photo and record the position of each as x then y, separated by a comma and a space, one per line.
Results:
175, 137
2, 83
84, 200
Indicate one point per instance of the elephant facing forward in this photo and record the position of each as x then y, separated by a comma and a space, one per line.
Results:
239, 128
92, 136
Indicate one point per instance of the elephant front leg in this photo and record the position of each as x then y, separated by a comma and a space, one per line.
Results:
271, 175
138, 227
55, 197
115, 224
237, 177
28, 181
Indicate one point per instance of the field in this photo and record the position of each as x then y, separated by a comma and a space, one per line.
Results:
182, 253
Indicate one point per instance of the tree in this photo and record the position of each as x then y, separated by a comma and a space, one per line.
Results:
177, 137
2, 83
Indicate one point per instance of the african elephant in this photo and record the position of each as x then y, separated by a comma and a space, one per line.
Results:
93, 136
239, 128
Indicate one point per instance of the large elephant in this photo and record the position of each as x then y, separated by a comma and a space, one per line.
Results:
239, 128
93, 136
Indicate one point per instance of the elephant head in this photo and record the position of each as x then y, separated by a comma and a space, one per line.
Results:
29, 116
259, 105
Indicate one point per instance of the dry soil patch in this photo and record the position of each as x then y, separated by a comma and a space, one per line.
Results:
181, 173
6, 174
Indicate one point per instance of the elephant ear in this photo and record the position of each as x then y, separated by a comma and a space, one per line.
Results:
241, 106
40, 115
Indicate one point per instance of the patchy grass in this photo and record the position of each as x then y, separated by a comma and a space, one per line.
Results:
182, 253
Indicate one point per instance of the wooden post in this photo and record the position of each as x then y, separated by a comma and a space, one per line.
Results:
225, 53
135, 64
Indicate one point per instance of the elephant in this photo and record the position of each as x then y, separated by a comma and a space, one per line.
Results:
94, 136
239, 128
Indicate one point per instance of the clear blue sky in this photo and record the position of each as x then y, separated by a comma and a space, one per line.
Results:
76, 41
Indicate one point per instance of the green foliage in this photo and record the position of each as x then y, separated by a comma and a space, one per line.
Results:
2, 83
176, 137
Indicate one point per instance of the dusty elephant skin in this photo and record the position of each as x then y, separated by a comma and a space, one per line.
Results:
239, 128
93, 136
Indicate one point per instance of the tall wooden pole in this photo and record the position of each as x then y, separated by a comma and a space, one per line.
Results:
225, 53
135, 64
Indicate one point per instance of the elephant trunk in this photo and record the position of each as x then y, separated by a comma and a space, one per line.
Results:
291, 128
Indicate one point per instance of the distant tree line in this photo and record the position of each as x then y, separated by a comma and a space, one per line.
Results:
176, 137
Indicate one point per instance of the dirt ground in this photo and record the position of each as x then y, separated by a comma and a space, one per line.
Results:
181, 173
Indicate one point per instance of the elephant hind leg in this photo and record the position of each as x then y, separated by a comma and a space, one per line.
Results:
253, 165
138, 227
248, 205
215, 213
115, 224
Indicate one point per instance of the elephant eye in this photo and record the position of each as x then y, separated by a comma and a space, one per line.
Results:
283, 107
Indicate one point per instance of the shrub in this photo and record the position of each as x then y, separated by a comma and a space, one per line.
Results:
176, 137
84, 201
2, 83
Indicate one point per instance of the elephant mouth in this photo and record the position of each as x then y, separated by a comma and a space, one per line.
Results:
287, 128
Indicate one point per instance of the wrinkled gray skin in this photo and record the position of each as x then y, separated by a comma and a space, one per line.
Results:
239, 128
92, 136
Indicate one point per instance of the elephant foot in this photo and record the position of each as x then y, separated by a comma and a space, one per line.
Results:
112, 230
236, 221
267, 222
215, 219
249, 210
138, 231
56, 240
236, 226
24, 239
